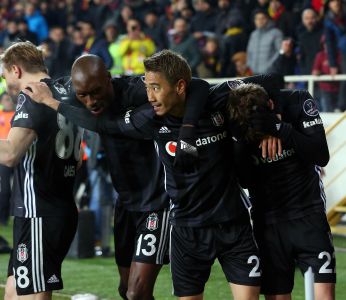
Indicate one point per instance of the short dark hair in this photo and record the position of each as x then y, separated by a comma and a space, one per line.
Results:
242, 101
172, 65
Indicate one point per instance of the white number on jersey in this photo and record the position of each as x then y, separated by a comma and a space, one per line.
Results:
66, 141
22, 278
324, 269
254, 272
151, 244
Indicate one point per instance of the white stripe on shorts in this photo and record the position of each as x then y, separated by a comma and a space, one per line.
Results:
161, 251
37, 255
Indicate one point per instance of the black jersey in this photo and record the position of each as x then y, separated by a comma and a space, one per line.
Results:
43, 180
211, 194
289, 186
137, 173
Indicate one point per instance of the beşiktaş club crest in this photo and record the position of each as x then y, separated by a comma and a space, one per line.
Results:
22, 253
152, 222
217, 119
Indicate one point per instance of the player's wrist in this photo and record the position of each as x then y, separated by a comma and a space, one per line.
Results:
284, 131
52, 103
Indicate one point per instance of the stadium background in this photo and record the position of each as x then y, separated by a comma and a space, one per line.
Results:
212, 35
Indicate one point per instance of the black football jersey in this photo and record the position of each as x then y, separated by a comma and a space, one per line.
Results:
137, 173
290, 186
208, 196
44, 178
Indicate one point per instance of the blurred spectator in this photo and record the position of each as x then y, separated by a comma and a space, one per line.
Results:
36, 22
102, 194
262, 4
47, 55
335, 32
126, 13
24, 34
18, 11
317, 6
134, 48
153, 30
210, 65
203, 23
281, 17
329, 90
113, 40
183, 42
182, 9
228, 15
233, 40
61, 50
6, 113
50, 14
264, 44
78, 43
240, 62
94, 44
99, 12
285, 63
10, 34
248, 7
141, 7
308, 38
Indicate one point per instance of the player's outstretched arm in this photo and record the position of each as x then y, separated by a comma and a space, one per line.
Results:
14, 147
186, 156
41, 93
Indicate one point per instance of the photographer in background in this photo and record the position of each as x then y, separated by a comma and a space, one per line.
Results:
134, 48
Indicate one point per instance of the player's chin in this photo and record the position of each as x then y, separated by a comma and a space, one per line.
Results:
97, 111
159, 111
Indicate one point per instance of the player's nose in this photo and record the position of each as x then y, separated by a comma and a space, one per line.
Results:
90, 101
150, 95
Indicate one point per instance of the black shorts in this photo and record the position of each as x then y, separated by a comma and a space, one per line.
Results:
305, 241
39, 247
141, 237
193, 251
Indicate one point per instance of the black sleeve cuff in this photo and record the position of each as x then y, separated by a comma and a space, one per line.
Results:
285, 131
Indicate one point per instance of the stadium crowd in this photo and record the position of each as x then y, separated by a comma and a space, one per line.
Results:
222, 38
219, 38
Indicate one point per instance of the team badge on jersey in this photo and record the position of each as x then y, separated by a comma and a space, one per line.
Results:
217, 119
60, 88
152, 222
310, 108
234, 83
20, 101
22, 253
171, 148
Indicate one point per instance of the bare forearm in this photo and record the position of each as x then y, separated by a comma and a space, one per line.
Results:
14, 147
7, 154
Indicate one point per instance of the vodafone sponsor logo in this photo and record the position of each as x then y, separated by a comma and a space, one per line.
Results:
171, 147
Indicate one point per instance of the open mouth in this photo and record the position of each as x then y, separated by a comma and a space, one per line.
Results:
97, 110
156, 107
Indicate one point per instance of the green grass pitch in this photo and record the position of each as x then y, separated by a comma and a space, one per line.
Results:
99, 276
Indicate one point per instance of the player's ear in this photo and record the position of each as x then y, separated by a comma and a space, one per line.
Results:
181, 86
271, 104
17, 71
